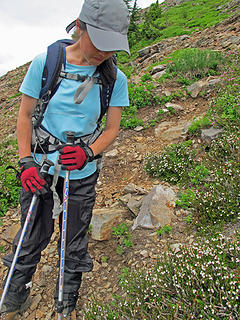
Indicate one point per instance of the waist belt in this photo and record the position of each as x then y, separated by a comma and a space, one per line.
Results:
44, 142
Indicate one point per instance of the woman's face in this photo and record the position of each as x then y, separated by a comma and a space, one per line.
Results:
91, 54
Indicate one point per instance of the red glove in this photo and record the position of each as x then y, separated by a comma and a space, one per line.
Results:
31, 177
74, 157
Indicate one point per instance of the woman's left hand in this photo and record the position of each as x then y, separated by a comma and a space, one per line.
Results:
74, 157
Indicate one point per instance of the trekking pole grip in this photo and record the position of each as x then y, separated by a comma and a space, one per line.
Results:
45, 167
70, 137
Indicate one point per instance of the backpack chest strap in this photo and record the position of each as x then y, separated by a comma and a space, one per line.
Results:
78, 77
84, 88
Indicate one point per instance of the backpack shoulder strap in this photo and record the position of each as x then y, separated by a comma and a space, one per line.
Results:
55, 60
105, 96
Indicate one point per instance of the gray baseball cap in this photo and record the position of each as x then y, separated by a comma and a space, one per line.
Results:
107, 24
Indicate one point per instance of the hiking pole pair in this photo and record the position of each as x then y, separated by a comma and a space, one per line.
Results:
44, 170
70, 140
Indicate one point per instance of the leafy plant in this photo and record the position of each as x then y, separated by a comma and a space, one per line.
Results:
9, 185
146, 77
164, 229
189, 218
185, 199
198, 174
15, 95
124, 238
141, 95
2, 249
198, 124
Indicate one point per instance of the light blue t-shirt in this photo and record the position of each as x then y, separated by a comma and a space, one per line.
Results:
63, 114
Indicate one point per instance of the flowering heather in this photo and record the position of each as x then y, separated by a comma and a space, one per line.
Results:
173, 164
200, 282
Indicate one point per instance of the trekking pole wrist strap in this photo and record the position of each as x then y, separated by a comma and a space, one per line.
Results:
89, 153
24, 160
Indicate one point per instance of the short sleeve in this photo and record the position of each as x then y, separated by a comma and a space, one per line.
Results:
31, 84
119, 96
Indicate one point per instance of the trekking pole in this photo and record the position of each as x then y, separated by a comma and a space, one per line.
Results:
44, 170
70, 140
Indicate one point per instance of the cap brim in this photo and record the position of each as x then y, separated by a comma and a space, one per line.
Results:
108, 40
70, 26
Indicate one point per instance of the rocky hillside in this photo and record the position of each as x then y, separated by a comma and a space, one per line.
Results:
123, 183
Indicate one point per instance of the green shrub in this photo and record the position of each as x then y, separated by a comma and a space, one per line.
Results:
164, 229
218, 199
197, 125
173, 164
9, 185
146, 77
198, 174
185, 199
225, 108
9, 190
200, 282
141, 95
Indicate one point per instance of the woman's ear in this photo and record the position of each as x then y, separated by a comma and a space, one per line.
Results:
78, 26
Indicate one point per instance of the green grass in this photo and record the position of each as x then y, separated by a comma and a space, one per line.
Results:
194, 64
186, 18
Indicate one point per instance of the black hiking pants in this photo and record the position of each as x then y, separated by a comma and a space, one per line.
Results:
41, 226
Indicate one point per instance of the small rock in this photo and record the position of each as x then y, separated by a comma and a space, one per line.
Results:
134, 205
144, 51
167, 93
196, 88
176, 247
39, 314
144, 253
132, 188
208, 135
138, 128
173, 106
157, 208
104, 265
103, 220
159, 74
96, 266
184, 37
47, 269
35, 301
213, 82
10, 233
111, 154
158, 68
125, 198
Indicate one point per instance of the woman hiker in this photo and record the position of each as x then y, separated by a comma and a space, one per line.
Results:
102, 29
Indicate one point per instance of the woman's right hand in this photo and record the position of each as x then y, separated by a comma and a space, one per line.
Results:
31, 178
